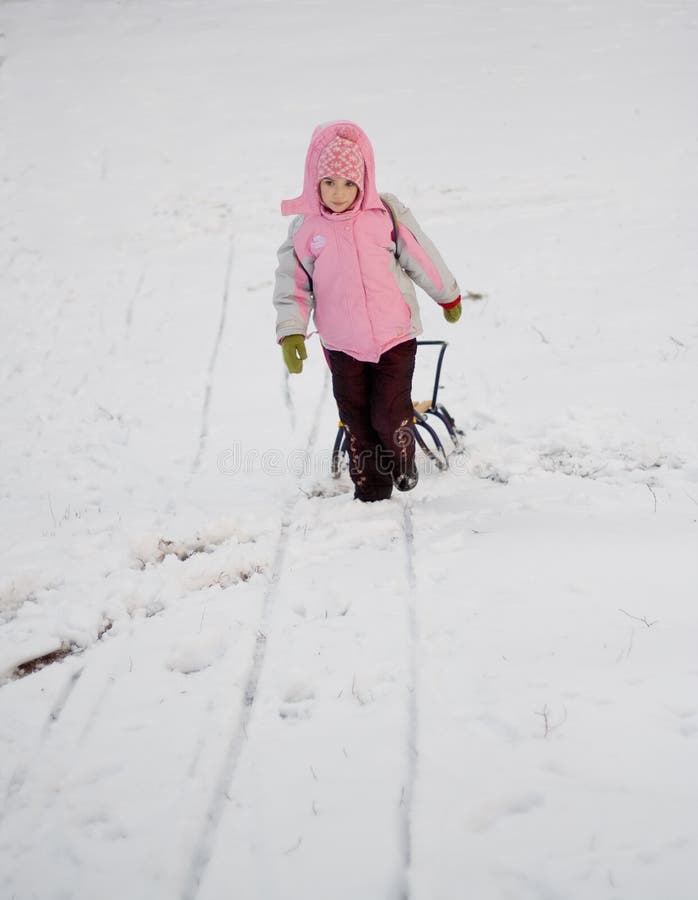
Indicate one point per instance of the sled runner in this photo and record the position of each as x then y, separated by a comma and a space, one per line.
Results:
426, 435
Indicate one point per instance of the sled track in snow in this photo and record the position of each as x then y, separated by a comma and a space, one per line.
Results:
412, 719
21, 774
203, 433
203, 849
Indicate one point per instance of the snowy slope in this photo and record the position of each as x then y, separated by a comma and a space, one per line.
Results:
485, 689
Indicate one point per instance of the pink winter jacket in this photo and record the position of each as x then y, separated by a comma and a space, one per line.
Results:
362, 297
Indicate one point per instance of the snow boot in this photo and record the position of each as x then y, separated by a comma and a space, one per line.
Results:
406, 481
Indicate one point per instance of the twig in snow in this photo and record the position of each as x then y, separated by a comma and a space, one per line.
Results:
626, 654
53, 515
540, 334
550, 726
544, 716
109, 415
649, 488
312, 772
677, 341
642, 619
295, 846
362, 700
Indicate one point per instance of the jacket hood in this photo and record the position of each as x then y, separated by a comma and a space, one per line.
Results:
308, 203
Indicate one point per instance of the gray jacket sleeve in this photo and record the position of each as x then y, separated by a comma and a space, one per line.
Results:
293, 299
419, 257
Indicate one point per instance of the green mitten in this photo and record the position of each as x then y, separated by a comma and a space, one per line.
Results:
293, 349
452, 313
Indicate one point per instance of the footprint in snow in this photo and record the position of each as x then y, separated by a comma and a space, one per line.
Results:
297, 702
194, 654
519, 805
328, 604
689, 724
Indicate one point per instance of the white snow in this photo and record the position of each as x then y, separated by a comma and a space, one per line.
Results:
264, 693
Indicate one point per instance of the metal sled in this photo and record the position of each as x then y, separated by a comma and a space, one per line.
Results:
426, 436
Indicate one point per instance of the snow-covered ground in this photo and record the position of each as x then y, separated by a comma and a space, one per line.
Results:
486, 689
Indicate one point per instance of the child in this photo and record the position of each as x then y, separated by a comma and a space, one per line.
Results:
343, 261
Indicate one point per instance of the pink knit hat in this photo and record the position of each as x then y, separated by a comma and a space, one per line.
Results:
342, 158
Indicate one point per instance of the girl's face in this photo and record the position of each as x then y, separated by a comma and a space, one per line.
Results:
338, 194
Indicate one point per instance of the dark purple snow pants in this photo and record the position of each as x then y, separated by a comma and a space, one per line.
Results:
375, 405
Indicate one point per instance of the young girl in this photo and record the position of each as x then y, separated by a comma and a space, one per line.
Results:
343, 261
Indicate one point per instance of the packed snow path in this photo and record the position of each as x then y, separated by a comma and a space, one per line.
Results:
487, 689
346, 717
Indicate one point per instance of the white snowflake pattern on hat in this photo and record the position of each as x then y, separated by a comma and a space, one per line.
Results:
342, 158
